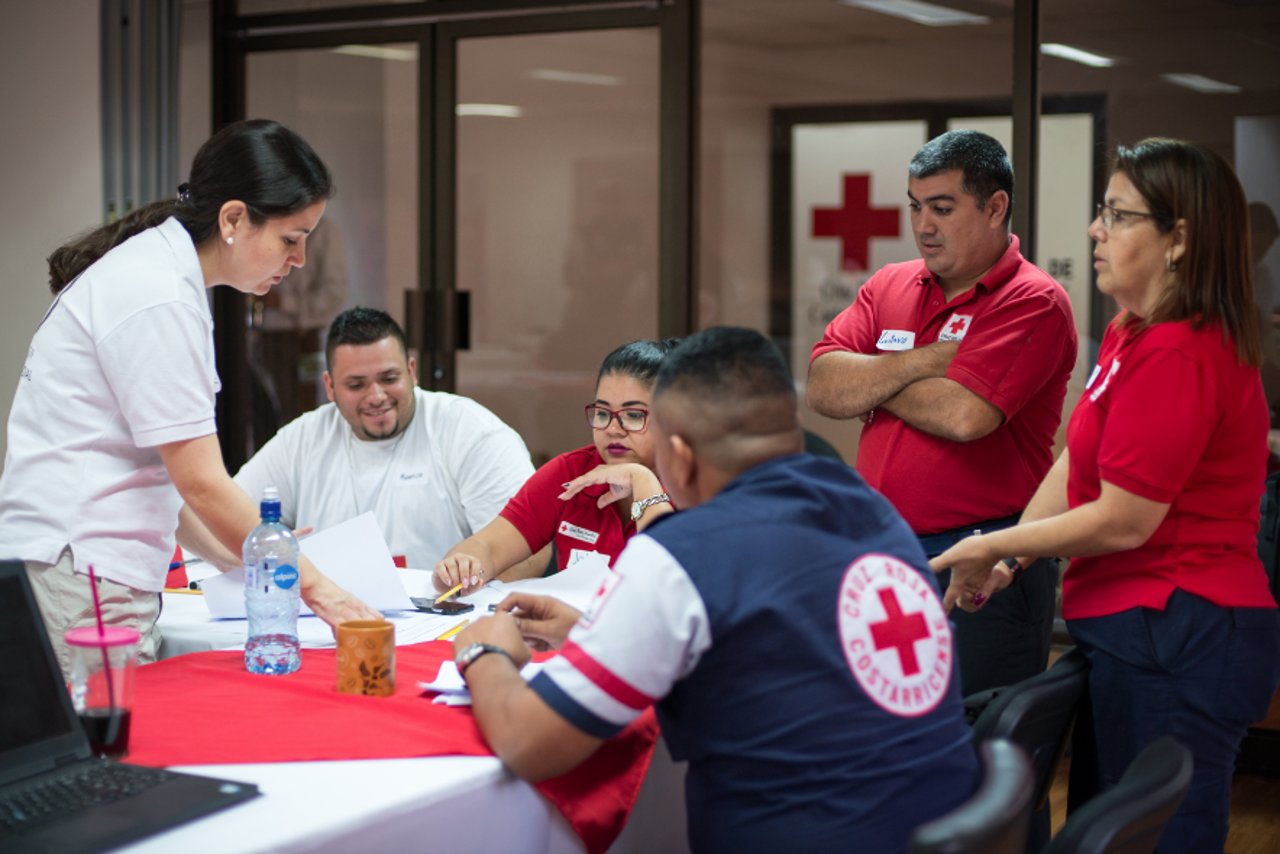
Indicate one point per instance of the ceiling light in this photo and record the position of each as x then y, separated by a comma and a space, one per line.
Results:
1075, 54
582, 77
929, 14
398, 54
501, 111
1202, 84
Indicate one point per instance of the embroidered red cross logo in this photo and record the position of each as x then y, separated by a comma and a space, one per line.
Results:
899, 631
855, 222
957, 325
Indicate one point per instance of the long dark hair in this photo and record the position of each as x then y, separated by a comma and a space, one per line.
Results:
259, 162
1213, 283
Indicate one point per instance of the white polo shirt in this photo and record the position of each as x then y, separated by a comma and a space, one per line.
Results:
123, 362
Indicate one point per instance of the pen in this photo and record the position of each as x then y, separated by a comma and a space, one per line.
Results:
453, 631
448, 593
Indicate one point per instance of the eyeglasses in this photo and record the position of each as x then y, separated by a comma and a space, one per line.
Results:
1112, 216
631, 420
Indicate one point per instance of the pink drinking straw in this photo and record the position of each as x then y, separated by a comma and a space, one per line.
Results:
106, 660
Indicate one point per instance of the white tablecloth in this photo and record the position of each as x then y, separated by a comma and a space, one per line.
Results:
453, 804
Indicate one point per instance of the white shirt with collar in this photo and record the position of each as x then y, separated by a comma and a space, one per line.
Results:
445, 477
123, 362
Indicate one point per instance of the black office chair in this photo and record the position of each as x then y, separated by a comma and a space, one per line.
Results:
1036, 714
994, 820
1131, 816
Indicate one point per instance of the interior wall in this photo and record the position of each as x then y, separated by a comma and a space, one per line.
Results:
51, 163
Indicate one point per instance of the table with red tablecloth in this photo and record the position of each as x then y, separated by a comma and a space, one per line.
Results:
205, 709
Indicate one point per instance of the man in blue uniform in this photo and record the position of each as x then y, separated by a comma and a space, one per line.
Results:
784, 622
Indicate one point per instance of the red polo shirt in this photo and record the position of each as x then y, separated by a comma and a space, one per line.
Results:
1171, 415
577, 524
1018, 346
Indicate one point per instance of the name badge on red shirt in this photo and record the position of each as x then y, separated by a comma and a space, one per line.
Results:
896, 339
577, 533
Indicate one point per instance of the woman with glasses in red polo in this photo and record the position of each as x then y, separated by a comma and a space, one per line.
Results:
589, 500
1156, 497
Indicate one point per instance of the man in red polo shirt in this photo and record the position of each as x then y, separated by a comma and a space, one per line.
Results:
958, 366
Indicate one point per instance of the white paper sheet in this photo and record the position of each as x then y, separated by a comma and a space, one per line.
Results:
575, 585
451, 689
353, 554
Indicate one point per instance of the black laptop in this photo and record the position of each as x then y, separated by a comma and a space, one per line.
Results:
54, 795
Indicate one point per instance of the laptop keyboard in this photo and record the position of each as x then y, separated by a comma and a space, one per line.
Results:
69, 791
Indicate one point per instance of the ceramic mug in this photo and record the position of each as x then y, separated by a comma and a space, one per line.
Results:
367, 658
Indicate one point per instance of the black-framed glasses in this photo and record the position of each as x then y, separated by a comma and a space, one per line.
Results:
1111, 216
632, 420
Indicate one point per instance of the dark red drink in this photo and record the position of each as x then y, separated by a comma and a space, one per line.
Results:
108, 731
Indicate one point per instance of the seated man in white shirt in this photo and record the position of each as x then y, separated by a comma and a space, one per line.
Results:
433, 467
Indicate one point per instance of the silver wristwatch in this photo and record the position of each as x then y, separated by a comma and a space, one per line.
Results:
638, 507
468, 655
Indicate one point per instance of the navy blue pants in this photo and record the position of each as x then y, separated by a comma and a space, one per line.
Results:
1195, 671
1008, 640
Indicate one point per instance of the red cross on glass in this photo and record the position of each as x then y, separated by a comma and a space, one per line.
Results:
856, 222
899, 631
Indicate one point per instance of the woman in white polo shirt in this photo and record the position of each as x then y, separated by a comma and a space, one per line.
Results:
112, 426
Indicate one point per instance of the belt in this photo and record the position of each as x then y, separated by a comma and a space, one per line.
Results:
936, 544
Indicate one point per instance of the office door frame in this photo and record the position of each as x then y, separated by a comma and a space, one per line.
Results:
435, 318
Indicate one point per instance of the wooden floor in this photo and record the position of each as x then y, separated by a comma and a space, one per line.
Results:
1255, 811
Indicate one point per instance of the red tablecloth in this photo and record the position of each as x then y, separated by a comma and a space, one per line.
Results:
204, 708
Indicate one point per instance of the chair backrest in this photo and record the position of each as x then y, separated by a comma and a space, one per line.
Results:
1036, 715
994, 820
1131, 816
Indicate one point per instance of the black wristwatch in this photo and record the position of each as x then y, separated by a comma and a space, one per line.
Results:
1016, 569
468, 655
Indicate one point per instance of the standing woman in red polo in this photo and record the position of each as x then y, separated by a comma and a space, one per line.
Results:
1156, 498
592, 499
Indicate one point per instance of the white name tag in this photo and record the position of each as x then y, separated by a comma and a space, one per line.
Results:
578, 533
896, 339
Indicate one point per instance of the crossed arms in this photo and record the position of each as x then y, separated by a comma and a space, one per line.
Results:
911, 384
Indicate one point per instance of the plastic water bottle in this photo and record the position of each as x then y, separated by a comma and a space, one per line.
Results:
271, 593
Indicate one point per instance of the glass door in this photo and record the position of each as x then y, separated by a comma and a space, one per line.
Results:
557, 139
357, 104
514, 186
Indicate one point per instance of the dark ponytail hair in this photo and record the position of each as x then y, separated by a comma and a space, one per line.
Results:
639, 360
258, 161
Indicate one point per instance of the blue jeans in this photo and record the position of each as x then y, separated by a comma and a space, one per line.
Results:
1196, 671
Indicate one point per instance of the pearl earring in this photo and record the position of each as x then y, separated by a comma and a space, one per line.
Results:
230, 241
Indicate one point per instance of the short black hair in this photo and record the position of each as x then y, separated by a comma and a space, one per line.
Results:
639, 360
361, 326
980, 157
726, 361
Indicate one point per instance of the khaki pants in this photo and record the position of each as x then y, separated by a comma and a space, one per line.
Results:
66, 602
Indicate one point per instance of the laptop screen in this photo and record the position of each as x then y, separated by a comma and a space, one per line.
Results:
37, 722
